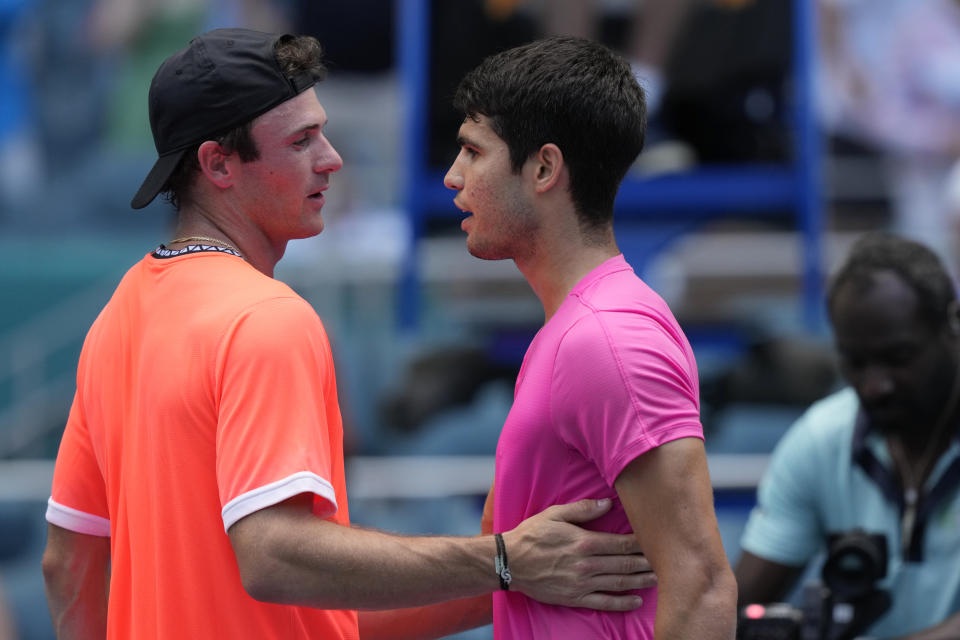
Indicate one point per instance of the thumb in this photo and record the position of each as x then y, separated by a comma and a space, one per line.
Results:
582, 510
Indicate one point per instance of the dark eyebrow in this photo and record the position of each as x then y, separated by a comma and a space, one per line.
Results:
464, 141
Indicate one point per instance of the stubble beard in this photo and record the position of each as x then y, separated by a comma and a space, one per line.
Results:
512, 239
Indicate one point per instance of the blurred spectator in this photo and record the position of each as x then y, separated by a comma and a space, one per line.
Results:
465, 32
89, 64
714, 71
890, 80
726, 75
138, 35
462, 34
647, 33
144, 32
451, 400
363, 99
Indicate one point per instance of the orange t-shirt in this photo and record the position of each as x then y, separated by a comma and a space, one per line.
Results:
205, 392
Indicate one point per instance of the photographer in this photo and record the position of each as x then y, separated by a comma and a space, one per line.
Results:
882, 455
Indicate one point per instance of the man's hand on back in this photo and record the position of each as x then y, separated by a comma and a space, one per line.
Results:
554, 561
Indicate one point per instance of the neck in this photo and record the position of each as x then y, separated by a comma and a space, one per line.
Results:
554, 271
250, 241
917, 450
914, 464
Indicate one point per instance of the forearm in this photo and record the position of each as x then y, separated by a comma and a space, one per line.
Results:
668, 498
300, 559
357, 569
77, 584
702, 606
424, 623
76, 616
288, 556
763, 581
949, 629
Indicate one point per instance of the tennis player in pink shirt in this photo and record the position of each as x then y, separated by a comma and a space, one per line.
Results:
606, 403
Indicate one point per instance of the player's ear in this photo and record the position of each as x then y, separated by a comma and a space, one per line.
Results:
215, 163
548, 165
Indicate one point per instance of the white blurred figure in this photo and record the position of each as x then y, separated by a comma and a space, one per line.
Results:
890, 79
951, 199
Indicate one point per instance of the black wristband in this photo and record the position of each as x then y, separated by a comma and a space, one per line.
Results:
500, 563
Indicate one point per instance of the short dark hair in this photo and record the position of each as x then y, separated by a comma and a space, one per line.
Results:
575, 93
295, 54
914, 263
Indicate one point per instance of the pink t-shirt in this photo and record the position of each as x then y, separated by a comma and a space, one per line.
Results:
608, 378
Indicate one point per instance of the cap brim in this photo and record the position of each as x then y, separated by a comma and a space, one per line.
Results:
156, 179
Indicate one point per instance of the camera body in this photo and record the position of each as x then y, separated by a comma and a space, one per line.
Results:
840, 607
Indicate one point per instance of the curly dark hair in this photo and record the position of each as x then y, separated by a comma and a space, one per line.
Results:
575, 93
295, 55
915, 264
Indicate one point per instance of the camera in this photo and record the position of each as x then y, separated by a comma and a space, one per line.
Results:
841, 607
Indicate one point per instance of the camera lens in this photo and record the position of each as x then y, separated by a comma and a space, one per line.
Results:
855, 561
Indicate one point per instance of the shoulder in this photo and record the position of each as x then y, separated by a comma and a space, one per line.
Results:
824, 431
236, 288
233, 300
621, 301
830, 418
631, 336
279, 320
621, 289
607, 350
242, 277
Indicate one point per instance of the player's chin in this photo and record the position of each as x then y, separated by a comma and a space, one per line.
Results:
307, 231
477, 248
486, 252
313, 223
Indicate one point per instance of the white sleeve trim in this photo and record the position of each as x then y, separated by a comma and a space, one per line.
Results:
276, 492
77, 521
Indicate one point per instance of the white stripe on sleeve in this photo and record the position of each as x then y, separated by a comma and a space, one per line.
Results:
275, 493
76, 520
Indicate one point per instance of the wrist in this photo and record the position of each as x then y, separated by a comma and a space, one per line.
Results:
501, 563
518, 547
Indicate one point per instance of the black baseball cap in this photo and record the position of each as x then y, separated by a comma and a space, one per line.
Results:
221, 80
